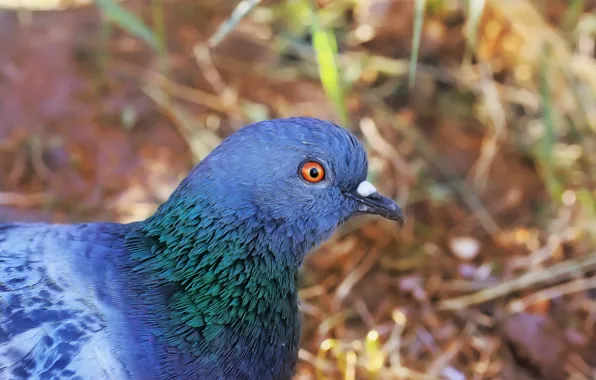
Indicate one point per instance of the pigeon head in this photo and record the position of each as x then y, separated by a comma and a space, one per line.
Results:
228, 242
284, 183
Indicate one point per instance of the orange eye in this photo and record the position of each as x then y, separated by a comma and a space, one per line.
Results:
312, 171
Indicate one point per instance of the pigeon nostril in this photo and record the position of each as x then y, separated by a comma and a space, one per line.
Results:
366, 189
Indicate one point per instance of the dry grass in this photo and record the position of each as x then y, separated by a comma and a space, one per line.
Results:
478, 115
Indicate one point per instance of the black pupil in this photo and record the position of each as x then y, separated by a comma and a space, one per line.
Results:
314, 172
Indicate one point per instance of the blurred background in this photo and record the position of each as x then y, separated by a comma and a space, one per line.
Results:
479, 117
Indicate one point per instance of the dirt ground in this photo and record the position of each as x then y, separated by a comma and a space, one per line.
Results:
96, 129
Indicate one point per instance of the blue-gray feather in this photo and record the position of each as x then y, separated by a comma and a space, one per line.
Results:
56, 302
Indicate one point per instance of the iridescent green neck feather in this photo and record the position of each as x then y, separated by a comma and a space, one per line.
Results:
226, 274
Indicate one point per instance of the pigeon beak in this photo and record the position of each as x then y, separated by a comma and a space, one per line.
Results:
371, 202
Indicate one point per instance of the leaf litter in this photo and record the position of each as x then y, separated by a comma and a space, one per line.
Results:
488, 140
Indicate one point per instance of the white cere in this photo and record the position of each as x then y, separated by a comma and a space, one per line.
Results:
366, 189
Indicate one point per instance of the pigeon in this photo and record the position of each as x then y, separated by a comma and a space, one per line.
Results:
206, 287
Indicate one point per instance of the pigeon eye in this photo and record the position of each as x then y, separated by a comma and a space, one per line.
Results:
312, 171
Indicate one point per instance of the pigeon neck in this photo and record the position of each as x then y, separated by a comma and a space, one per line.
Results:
229, 284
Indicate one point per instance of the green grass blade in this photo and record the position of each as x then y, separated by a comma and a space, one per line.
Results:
118, 15
572, 14
547, 142
419, 9
475, 10
159, 23
325, 47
